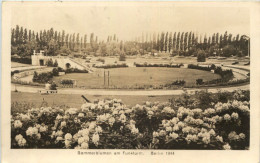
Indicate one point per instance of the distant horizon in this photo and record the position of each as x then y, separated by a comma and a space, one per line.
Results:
129, 22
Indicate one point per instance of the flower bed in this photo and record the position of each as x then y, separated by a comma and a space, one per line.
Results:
109, 124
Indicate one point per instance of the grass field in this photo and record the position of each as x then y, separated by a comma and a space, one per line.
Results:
37, 100
130, 77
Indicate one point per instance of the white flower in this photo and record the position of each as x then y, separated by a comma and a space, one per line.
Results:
92, 125
17, 124
62, 124
80, 140
68, 136
59, 117
71, 111
95, 138
25, 117
59, 133
206, 139
162, 133
134, 130
31, 131
226, 147
233, 136
219, 138
20, 140
234, 116
38, 136
98, 129
43, 128
174, 135
168, 110
18, 137
212, 132
67, 143
81, 115
84, 145
227, 117
174, 120
122, 118
168, 129
155, 134
175, 128
242, 136
111, 121
59, 138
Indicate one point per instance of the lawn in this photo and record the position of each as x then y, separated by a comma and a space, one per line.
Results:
27, 100
138, 76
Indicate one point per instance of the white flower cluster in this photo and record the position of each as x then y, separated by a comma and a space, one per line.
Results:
20, 140
17, 124
33, 132
132, 127
184, 111
168, 110
71, 111
233, 136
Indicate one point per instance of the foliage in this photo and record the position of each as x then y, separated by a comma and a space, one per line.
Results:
109, 124
122, 57
42, 77
158, 65
24, 41
201, 56
107, 66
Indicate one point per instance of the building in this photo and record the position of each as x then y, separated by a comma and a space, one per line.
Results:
39, 59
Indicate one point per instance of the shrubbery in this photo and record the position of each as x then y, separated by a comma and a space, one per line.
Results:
226, 75
201, 56
202, 123
111, 66
25, 60
42, 77
158, 65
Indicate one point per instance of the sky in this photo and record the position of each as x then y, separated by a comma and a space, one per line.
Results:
128, 21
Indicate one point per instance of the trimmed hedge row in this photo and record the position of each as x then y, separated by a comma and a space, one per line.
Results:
158, 65
111, 66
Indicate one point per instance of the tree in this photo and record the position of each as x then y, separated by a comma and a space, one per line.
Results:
166, 42
201, 56
170, 42
178, 42
229, 50
174, 41
185, 42
181, 41
162, 42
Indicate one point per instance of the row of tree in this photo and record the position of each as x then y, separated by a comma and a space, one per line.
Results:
186, 43
53, 42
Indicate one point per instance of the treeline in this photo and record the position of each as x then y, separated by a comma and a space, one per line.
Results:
189, 43
24, 41
53, 42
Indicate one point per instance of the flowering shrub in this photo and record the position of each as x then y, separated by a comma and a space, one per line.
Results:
109, 124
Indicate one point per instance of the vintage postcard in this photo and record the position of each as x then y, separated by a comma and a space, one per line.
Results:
130, 81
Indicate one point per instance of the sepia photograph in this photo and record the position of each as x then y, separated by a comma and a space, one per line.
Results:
128, 76
100, 78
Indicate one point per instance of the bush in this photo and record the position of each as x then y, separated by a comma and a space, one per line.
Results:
42, 77
158, 65
109, 124
201, 56
199, 81
111, 66
122, 57
25, 60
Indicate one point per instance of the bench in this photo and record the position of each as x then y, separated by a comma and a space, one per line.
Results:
44, 91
